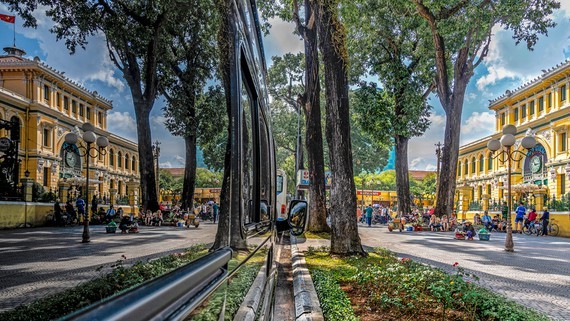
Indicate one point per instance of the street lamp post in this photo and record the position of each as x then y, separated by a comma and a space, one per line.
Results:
507, 155
156, 154
88, 151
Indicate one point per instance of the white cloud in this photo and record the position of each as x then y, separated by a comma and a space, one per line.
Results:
509, 61
91, 64
281, 39
478, 123
122, 124
158, 120
415, 162
165, 165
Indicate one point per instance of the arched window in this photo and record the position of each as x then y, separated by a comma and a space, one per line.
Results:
119, 160
133, 164
490, 162
465, 168
126, 161
473, 165
111, 158
481, 163
459, 169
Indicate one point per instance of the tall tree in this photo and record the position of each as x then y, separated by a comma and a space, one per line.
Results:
135, 34
332, 43
461, 32
286, 84
212, 122
309, 99
190, 64
389, 39
229, 224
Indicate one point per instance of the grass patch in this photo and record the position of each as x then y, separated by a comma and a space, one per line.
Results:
234, 292
119, 279
383, 287
319, 235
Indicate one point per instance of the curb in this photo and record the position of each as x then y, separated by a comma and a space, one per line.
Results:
253, 297
307, 305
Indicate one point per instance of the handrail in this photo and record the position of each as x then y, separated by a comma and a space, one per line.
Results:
169, 297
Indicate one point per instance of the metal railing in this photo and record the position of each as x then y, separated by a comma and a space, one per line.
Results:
172, 296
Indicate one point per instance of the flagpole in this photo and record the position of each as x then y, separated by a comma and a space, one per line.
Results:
14, 32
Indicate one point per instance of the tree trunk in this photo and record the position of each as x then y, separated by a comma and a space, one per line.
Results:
314, 136
223, 232
450, 155
146, 159
344, 239
189, 173
230, 221
402, 175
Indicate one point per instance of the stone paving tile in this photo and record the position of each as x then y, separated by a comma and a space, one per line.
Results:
40, 261
536, 275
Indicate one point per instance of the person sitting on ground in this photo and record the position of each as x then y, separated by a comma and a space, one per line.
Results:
158, 218
469, 230
148, 218
452, 221
124, 225
445, 223
496, 221
434, 223
477, 219
487, 221
110, 214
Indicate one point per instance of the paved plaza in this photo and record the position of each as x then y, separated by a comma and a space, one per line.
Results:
39, 261
536, 275
36, 262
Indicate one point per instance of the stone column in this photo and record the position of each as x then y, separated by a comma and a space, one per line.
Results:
465, 199
28, 188
63, 187
485, 198
539, 198
112, 195
133, 196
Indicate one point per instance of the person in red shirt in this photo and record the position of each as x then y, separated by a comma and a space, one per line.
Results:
532, 215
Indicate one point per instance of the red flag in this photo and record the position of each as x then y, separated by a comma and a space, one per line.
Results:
7, 18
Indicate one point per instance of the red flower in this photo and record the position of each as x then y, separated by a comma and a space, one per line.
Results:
455, 264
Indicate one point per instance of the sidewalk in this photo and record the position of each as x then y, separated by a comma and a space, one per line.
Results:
37, 262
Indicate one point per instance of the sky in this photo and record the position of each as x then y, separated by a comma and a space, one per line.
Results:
507, 67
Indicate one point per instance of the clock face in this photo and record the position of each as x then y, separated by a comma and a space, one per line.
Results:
70, 159
536, 164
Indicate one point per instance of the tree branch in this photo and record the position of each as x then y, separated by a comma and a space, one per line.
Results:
301, 29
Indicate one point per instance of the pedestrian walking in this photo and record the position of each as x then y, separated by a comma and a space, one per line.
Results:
94, 205
369, 211
80, 204
521, 211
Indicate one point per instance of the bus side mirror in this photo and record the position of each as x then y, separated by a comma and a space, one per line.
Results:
297, 216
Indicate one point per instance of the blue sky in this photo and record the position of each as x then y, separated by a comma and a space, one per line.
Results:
506, 67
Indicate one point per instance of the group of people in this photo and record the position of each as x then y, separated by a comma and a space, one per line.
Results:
374, 214
523, 218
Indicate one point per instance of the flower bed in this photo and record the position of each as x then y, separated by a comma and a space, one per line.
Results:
383, 287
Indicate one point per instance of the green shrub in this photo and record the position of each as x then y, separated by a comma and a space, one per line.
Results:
334, 302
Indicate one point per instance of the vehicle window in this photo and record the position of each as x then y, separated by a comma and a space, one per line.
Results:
247, 154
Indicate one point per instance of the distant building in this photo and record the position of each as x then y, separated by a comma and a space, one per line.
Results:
539, 108
47, 106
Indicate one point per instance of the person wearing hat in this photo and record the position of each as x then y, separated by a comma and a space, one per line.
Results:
469, 230
124, 225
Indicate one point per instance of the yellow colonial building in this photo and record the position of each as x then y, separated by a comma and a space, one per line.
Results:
540, 175
46, 106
